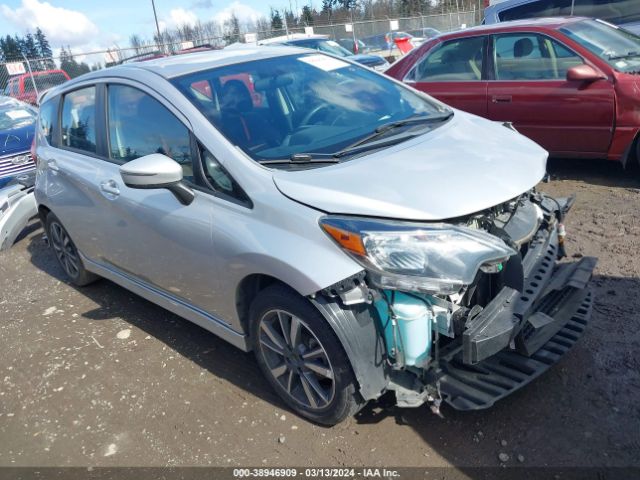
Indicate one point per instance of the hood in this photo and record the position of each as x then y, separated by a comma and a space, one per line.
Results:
369, 60
467, 165
16, 140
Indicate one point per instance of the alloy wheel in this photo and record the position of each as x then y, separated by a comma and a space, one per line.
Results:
296, 359
65, 250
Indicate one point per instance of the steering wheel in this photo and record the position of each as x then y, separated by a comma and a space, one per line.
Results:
307, 118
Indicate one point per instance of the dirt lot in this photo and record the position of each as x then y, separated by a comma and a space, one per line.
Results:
98, 376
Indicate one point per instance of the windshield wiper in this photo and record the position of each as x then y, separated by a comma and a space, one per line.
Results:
359, 146
626, 55
302, 159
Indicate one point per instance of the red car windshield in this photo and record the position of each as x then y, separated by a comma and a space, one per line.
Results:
618, 47
44, 82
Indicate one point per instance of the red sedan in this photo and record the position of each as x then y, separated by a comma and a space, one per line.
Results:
570, 84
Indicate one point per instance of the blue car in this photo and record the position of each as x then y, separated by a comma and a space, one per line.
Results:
17, 128
624, 13
325, 45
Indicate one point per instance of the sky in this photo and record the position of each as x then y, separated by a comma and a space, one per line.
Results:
89, 25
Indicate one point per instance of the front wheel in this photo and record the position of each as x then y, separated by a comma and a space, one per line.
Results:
301, 357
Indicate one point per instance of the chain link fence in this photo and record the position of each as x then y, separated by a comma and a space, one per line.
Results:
27, 78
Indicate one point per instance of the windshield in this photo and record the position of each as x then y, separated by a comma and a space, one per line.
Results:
331, 47
309, 104
43, 82
618, 47
14, 114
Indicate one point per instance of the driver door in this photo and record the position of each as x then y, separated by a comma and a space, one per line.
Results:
149, 234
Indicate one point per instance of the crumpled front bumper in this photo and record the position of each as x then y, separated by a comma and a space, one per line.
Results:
519, 335
17, 207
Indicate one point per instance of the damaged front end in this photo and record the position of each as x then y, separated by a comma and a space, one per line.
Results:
468, 311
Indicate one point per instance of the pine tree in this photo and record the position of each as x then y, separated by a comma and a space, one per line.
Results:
30, 47
307, 15
327, 6
276, 20
44, 49
232, 29
67, 62
11, 49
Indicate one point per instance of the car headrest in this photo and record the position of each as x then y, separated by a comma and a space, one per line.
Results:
273, 82
522, 47
237, 89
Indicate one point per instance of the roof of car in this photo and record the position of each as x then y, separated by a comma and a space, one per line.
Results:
177, 65
551, 23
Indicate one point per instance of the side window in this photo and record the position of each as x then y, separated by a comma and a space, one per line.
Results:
457, 60
614, 11
28, 84
48, 112
140, 125
562, 59
219, 179
529, 56
79, 119
539, 8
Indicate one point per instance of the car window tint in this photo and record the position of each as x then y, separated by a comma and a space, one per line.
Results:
614, 11
140, 125
47, 113
79, 119
527, 56
219, 179
44, 82
456, 60
539, 8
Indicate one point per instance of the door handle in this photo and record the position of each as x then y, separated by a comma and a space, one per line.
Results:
110, 187
501, 99
53, 166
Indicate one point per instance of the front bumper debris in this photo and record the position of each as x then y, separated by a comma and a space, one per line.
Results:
519, 335
474, 387
17, 207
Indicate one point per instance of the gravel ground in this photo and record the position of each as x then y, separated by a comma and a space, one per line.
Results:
98, 376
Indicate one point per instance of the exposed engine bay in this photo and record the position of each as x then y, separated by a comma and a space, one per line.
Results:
481, 340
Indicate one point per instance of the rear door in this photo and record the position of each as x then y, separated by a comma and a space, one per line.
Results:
531, 91
71, 152
454, 72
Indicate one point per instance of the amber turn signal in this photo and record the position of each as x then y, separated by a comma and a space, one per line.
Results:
348, 240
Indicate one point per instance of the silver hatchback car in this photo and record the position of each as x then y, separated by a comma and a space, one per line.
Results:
359, 236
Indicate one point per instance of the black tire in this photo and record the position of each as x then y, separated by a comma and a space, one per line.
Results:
67, 253
633, 163
288, 372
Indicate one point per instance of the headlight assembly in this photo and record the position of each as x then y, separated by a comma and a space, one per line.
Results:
432, 258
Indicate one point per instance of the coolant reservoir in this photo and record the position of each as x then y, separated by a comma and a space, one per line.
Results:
413, 333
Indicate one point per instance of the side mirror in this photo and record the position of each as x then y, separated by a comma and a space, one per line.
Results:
157, 171
584, 73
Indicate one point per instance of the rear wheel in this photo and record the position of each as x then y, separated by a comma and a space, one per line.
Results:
301, 357
67, 253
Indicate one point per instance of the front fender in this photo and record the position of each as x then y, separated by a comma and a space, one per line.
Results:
356, 329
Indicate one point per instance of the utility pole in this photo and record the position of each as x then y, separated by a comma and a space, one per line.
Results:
155, 15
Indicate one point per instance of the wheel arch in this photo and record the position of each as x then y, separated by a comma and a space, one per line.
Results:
354, 326
631, 155
43, 211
